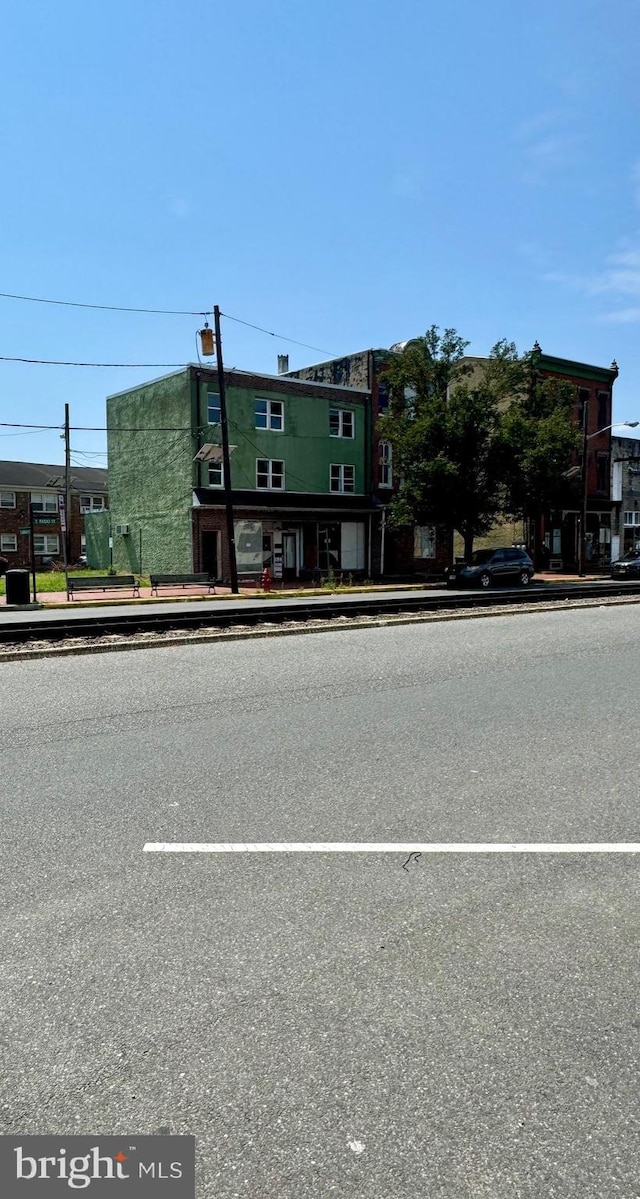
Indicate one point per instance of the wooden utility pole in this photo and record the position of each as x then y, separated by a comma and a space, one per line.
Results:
226, 457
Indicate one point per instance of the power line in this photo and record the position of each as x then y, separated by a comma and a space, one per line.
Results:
6, 295
280, 336
100, 428
129, 365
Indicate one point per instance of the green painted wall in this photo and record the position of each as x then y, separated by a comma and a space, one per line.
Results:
304, 444
96, 530
151, 475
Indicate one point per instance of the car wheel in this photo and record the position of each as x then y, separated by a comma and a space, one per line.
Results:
485, 579
525, 578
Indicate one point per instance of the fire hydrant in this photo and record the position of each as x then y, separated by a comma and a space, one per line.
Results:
266, 579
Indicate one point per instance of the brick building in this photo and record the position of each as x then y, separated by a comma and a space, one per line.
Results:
34, 483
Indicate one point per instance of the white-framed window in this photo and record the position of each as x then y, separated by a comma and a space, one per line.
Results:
216, 474
424, 541
341, 422
270, 415
46, 543
386, 464
7, 499
631, 518
9, 543
342, 478
43, 501
269, 474
213, 408
93, 503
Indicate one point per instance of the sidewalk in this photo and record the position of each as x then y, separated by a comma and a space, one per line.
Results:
171, 595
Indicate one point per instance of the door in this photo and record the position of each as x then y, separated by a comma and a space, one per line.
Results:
210, 554
289, 564
500, 568
513, 564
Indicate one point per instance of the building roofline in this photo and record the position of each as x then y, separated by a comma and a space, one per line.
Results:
233, 371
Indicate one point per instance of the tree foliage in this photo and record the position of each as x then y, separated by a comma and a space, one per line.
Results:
474, 440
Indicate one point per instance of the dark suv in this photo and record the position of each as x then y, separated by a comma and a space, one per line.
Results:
493, 566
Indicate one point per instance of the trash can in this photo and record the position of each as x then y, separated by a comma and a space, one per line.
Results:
18, 590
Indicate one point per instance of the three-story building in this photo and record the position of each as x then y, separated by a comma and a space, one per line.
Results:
300, 475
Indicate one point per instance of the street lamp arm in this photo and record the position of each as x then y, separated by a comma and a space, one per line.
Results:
628, 424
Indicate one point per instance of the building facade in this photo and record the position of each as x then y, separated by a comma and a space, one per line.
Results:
422, 551
300, 476
33, 484
560, 530
625, 494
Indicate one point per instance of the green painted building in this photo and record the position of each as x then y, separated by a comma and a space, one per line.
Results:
300, 475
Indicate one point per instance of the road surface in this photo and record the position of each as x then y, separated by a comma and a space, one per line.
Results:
332, 1025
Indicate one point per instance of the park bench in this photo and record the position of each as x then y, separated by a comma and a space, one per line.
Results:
199, 580
104, 583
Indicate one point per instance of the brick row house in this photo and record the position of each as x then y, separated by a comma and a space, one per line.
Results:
25, 484
300, 476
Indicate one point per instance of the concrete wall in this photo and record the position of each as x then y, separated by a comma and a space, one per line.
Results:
151, 449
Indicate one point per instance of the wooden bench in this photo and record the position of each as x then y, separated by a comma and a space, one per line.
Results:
104, 583
200, 580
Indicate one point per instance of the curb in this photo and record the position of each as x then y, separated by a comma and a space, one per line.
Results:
331, 626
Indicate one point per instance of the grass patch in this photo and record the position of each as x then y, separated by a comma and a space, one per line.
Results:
53, 580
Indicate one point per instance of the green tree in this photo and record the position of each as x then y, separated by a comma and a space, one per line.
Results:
538, 441
444, 435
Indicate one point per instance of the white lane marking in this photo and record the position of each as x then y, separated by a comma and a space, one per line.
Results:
434, 847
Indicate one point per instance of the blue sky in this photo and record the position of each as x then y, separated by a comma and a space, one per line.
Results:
344, 172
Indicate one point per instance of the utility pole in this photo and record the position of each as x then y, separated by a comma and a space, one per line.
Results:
67, 483
226, 457
582, 545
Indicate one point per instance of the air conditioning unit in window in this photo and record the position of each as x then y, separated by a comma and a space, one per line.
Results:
122, 530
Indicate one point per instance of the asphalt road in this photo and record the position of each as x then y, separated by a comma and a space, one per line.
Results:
333, 1025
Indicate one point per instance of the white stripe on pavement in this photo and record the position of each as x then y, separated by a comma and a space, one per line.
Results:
434, 847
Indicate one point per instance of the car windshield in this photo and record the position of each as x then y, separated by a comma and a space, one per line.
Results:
632, 556
480, 556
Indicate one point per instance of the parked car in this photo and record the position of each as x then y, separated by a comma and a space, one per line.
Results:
493, 566
627, 567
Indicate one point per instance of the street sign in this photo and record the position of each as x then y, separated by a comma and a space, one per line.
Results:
46, 522
63, 514
25, 532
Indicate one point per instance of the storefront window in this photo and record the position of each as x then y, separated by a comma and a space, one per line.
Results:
329, 547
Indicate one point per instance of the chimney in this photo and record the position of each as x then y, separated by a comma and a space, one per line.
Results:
283, 364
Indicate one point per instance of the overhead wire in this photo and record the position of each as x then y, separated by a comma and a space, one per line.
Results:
7, 295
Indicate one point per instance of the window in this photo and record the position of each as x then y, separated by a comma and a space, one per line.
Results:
631, 518
602, 471
603, 409
270, 415
269, 474
216, 475
7, 499
342, 478
42, 502
213, 408
93, 503
341, 423
386, 468
424, 541
583, 400
46, 543
9, 542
